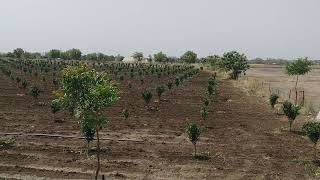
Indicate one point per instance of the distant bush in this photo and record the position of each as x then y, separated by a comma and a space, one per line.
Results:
273, 99
125, 113
35, 91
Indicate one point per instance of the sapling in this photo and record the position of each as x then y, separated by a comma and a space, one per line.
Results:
54, 107
35, 91
193, 132
204, 112
273, 100
312, 130
147, 96
210, 89
169, 84
291, 111
177, 81
205, 101
160, 89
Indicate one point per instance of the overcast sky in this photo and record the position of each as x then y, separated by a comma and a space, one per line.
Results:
259, 28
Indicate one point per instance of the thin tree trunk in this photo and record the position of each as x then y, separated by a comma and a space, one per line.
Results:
296, 86
98, 155
290, 124
195, 150
315, 151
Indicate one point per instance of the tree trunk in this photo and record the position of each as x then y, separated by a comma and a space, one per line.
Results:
290, 124
315, 151
296, 86
195, 150
98, 155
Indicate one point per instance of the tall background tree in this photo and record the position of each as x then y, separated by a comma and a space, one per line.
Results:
18, 53
234, 62
138, 56
54, 54
301, 66
160, 57
189, 57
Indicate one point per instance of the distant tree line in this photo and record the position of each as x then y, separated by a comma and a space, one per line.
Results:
275, 61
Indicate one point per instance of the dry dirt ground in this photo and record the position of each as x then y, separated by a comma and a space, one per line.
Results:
241, 139
277, 78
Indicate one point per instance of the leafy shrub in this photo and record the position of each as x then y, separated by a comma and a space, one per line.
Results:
312, 130
160, 89
55, 106
35, 91
291, 111
193, 132
273, 99
146, 95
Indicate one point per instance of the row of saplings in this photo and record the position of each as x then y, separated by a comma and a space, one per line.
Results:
85, 93
193, 130
310, 128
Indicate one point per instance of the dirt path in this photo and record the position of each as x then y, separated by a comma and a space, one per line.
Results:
241, 138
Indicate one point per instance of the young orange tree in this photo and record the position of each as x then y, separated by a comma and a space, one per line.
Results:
86, 93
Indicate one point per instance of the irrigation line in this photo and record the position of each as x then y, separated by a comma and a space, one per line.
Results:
65, 136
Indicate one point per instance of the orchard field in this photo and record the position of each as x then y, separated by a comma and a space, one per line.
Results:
241, 138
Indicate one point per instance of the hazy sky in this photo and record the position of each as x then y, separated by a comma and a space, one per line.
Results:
259, 28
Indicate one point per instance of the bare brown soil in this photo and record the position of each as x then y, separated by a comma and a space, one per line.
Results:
241, 138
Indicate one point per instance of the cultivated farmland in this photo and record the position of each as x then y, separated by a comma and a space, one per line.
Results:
145, 139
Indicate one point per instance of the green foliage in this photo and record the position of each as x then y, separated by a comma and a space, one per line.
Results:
7, 141
211, 81
205, 101
189, 57
34, 91
204, 112
86, 92
273, 99
125, 113
234, 62
88, 130
146, 95
312, 130
55, 106
138, 56
160, 57
169, 84
291, 111
24, 84
177, 81
210, 89
54, 54
300, 66
18, 53
193, 132
160, 89
213, 61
